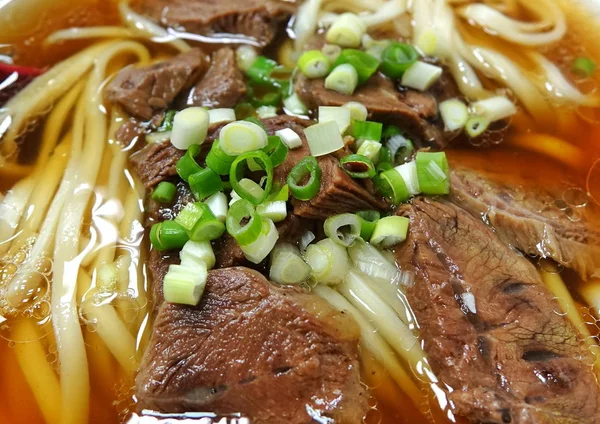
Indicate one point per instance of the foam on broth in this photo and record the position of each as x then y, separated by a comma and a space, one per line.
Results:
111, 393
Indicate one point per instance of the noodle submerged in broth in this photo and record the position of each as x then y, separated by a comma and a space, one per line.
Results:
77, 300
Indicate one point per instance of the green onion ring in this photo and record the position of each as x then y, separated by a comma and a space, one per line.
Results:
249, 232
307, 167
239, 167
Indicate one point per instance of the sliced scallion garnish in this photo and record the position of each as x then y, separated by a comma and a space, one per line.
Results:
343, 79
287, 265
358, 166
241, 137
187, 165
343, 229
239, 168
205, 183
314, 64
364, 64
190, 126
164, 192
397, 58
367, 219
244, 224
168, 235
433, 173
306, 168
390, 231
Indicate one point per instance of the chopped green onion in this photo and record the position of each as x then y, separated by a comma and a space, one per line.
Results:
364, 64
454, 114
199, 222
244, 224
218, 160
476, 126
167, 123
358, 111
306, 168
269, 97
282, 194
244, 110
187, 165
260, 71
392, 185
390, 231
409, 174
346, 31
265, 112
294, 105
367, 130
358, 166
385, 160
245, 57
198, 253
367, 219
343, 229
340, 115
275, 211
390, 131
185, 284
290, 138
258, 250
205, 183
397, 58
164, 192
287, 265
494, 109
306, 239
401, 149
190, 126
250, 186
331, 52
218, 205
343, 79
329, 261
370, 149
421, 76
238, 169
324, 138
584, 66
377, 48
433, 172
168, 235
314, 64
218, 116
240, 137
276, 150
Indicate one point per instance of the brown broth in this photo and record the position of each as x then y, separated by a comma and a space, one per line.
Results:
111, 396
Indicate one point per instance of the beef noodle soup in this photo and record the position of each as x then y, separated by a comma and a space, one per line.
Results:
270, 211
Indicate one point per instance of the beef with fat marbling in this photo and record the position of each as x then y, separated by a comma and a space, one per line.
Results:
229, 21
492, 332
142, 92
254, 348
525, 219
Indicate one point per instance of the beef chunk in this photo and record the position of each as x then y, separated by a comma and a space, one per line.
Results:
525, 220
492, 332
253, 348
144, 91
413, 111
257, 21
223, 85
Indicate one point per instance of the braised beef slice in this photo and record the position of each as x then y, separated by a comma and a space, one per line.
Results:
413, 111
144, 91
253, 348
232, 21
492, 332
223, 85
525, 220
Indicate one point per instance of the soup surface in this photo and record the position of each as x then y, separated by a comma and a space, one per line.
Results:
77, 256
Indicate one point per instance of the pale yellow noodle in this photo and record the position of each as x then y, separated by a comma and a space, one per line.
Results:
91, 32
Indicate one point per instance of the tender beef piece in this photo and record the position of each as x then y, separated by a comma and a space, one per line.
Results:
233, 21
492, 332
253, 348
525, 220
144, 91
413, 111
222, 86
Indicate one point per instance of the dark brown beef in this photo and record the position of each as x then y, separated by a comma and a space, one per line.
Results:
253, 348
413, 111
492, 332
525, 220
144, 91
232, 21
223, 85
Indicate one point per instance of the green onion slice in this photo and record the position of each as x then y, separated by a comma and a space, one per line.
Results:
205, 183
241, 137
365, 64
343, 229
584, 66
260, 71
358, 166
367, 130
244, 110
244, 224
199, 222
390, 231
397, 58
187, 165
276, 150
168, 235
433, 172
164, 192
367, 219
218, 160
185, 284
282, 194
314, 64
476, 126
308, 168
167, 123
239, 168
392, 185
